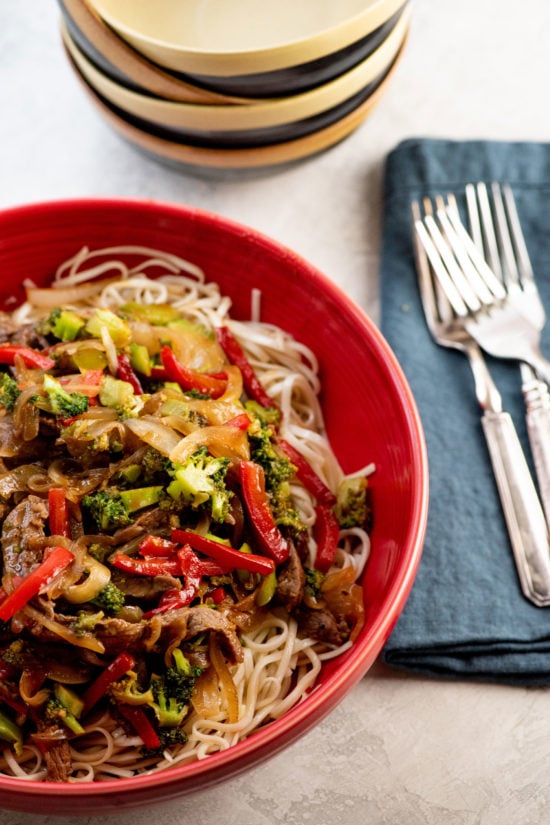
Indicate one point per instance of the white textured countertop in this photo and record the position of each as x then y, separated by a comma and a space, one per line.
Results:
398, 749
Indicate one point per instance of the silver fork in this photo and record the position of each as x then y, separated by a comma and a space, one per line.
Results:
496, 230
522, 511
497, 319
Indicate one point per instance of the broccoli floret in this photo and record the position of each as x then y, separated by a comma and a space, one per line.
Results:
107, 509
267, 416
56, 713
127, 691
200, 482
352, 509
284, 512
63, 403
63, 324
169, 711
100, 552
120, 396
168, 738
277, 467
85, 622
155, 464
17, 654
278, 470
9, 391
172, 691
111, 599
172, 736
314, 582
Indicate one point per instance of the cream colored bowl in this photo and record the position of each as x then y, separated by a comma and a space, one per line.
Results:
197, 158
239, 37
255, 115
117, 59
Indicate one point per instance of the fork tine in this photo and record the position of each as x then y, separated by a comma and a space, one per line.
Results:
485, 278
469, 268
439, 257
507, 257
425, 283
522, 255
488, 231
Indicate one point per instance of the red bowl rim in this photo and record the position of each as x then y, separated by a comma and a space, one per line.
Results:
324, 697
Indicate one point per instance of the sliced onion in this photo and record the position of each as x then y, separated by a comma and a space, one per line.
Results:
51, 298
344, 597
157, 435
18, 480
227, 684
86, 640
206, 694
98, 577
234, 388
220, 441
29, 685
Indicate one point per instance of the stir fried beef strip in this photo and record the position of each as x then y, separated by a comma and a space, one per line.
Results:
28, 335
322, 625
291, 581
53, 744
144, 588
8, 327
23, 534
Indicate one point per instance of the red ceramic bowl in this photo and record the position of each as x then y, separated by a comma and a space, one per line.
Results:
370, 415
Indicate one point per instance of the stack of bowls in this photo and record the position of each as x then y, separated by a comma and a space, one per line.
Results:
236, 85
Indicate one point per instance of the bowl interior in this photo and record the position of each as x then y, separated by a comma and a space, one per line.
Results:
370, 416
214, 37
242, 25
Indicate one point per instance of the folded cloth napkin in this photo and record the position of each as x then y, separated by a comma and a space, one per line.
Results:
465, 617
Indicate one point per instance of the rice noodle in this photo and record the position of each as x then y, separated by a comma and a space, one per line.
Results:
279, 668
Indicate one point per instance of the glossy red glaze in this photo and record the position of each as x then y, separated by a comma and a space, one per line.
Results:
370, 415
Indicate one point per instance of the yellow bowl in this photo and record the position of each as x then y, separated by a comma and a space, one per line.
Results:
119, 61
228, 118
187, 157
221, 38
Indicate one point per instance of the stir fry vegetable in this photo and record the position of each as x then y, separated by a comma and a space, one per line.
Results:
152, 513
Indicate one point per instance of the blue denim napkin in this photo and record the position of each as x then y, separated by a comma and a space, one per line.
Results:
466, 617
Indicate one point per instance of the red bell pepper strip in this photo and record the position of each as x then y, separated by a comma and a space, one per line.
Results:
137, 718
189, 379
241, 422
28, 587
225, 555
125, 372
112, 673
190, 569
58, 517
31, 357
235, 355
170, 600
87, 383
210, 567
326, 531
257, 504
151, 566
163, 549
307, 475
218, 595
157, 546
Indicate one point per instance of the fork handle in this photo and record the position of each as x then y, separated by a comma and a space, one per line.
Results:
522, 510
537, 416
